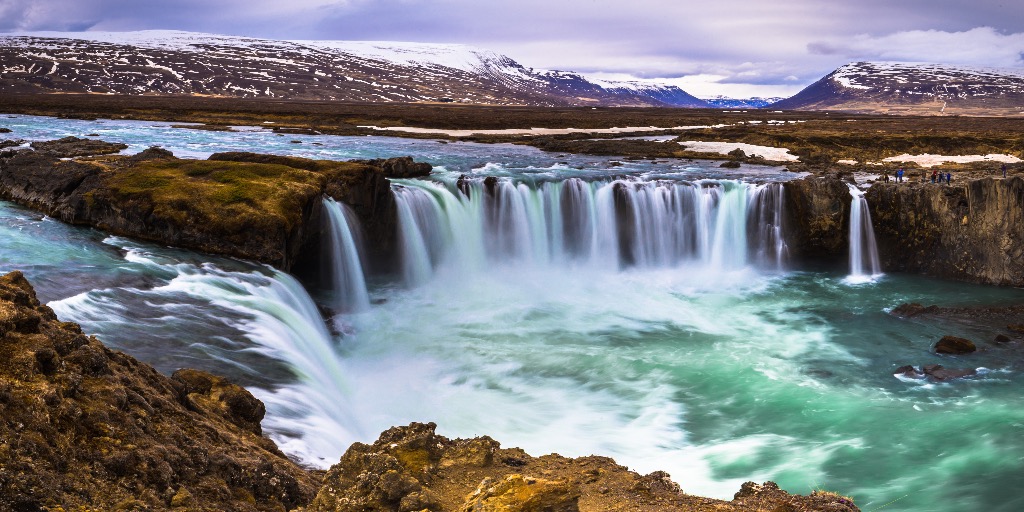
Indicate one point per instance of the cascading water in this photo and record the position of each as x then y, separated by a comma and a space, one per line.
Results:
864, 263
346, 269
269, 308
723, 225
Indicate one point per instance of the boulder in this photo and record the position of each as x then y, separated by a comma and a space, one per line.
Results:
1002, 338
939, 372
955, 345
913, 309
71, 147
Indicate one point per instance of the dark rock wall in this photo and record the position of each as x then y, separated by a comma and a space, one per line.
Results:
817, 219
969, 231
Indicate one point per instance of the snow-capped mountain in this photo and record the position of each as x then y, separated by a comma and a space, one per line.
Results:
726, 102
172, 62
915, 88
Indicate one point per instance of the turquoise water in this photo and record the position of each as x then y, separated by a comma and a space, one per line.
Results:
716, 375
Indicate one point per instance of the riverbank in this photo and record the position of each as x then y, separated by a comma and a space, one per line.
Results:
257, 207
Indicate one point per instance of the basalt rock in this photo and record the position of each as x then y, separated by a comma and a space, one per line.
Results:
70, 147
935, 372
400, 167
913, 309
83, 427
970, 231
817, 217
260, 207
413, 469
954, 345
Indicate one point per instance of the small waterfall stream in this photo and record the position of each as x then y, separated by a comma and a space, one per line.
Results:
348, 284
864, 263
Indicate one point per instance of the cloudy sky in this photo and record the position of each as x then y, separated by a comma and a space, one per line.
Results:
738, 48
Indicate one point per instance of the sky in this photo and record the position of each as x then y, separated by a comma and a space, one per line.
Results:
737, 48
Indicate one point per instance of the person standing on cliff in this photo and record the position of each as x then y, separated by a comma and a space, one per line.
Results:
1004, 170
949, 178
899, 175
935, 174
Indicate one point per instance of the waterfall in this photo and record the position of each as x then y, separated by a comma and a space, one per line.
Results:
864, 264
348, 284
724, 225
765, 224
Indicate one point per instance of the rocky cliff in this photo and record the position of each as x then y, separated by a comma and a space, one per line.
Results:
971, 231
86, 428
260, 207
968, 231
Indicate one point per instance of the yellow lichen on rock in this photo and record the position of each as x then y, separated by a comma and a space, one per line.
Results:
518, 493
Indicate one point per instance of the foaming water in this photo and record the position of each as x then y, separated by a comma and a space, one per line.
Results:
271, 315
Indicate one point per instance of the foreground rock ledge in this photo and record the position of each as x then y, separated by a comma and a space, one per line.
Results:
413, 469
85, 428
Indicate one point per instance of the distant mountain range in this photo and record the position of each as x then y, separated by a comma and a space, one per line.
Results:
170, 62
894, 88
725, 102
188, 63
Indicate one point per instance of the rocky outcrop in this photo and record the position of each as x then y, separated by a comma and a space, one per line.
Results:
955, 345
817, 218
414, 469
260, 207
971, 231
85, 427
70, 147
935, 372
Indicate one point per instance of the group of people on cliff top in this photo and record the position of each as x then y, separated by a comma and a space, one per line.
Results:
936, 175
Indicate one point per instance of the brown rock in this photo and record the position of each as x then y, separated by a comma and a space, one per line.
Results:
517, 493
85, 427
955, 345
913, 309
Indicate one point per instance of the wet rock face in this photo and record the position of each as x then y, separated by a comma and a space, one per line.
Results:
935, 372
817, 212
971, 231
954, 345
84, 427
413, 469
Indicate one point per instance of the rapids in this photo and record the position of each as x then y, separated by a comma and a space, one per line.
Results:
681, 340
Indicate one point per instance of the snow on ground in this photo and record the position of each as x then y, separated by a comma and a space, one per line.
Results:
928, 160
846, 162
536, 131
766, 152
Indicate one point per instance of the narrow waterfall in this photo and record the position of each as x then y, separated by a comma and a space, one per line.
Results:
348, 284
864, 264
724, 225
765, 223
